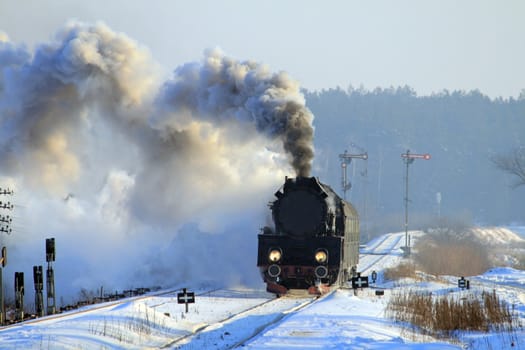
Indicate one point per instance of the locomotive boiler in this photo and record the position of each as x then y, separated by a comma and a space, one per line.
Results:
314, 244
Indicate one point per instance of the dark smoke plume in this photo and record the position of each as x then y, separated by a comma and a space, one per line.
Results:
221, 88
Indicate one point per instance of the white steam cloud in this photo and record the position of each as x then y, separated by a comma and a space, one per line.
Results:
142, 182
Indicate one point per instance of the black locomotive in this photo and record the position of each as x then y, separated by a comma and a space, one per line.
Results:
315, 242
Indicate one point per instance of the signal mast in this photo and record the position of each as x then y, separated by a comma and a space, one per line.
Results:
346, 159
409, 158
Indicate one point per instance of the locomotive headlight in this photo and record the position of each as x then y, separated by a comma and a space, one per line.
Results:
321, 256
274, 255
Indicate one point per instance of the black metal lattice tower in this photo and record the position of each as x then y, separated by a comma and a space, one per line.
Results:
19, 296
50, 274
38, 279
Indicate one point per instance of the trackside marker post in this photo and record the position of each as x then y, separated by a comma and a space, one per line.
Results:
186, 298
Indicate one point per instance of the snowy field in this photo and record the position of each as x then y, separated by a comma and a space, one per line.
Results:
253, 319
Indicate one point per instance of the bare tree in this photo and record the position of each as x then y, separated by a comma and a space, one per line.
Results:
513, 163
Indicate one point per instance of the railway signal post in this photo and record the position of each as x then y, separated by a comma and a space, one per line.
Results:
409, 158
346, 159
19, 296
50, 274
39, 286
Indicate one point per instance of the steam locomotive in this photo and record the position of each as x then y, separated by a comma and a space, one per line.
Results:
315, 242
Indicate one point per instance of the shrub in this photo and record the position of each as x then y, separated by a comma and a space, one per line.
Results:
403, 270
441, 316
444, 253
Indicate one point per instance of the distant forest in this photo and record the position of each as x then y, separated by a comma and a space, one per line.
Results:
461, 130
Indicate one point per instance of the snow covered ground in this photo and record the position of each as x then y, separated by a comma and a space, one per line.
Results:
253, 319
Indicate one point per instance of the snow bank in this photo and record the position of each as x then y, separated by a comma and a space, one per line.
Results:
496, 235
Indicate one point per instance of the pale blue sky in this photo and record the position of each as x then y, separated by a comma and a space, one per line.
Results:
428, 45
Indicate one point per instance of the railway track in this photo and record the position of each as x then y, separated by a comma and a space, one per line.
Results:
87, 309
256, 318
373, 247
189, 325
270, 312
371, 256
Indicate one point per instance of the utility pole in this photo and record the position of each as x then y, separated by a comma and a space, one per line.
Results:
409, 158
5, 222
2, 304
346, 159
365, 175
438, 200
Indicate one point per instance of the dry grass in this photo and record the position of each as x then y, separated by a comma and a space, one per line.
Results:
442, 316
451, 255
403, 270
